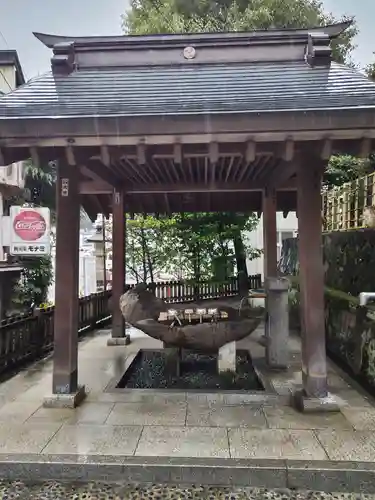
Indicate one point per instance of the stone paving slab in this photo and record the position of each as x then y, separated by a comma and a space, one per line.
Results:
203, 442
288, 418
348, 445
275, 443
256, 435
94, 439
145, 413
218, 415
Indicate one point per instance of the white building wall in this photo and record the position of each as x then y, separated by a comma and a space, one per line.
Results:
7, 78
87, 277
286, 228
11, 175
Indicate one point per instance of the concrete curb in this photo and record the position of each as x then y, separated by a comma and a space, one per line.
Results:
358, 477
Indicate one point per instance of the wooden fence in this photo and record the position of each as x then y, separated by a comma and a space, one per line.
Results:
344, 207
28, 337
186, 291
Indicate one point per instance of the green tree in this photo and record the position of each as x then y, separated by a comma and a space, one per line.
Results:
178, 16
345, 168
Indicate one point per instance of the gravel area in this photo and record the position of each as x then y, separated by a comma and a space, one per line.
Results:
198, 371
102, 491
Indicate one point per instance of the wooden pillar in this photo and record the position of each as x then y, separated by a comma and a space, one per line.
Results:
269, 234
314, 364
65, 374
118, 265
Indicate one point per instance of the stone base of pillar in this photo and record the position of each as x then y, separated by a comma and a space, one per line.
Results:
226, 359
307, 404
65, 400
114, 341
277, 323
172, 361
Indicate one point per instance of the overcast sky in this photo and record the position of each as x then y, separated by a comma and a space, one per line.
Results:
19, 18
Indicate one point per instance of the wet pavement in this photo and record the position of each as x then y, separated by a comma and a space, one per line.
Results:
110, 491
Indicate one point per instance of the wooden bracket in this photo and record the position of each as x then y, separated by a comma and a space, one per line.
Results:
250, 153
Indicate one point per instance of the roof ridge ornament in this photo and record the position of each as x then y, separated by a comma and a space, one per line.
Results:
318, 50
63, 59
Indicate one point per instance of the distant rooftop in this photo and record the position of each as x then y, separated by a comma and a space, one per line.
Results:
10, 58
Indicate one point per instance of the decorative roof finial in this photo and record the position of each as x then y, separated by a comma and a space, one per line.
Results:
318, 50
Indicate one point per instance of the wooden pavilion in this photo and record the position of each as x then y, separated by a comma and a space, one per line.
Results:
198, 122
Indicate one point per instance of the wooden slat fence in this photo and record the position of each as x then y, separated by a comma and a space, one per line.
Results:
28, 337
188, 291
344, 207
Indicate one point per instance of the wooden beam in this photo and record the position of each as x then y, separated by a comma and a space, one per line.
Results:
70, 155
105, 156
311, 279
177, 153
167, 205
365, 148
103, 173
34, 153
95, 187
326, 149
86, 172
288, 150
282, 174
65, 356
118, 263
250, 152
213, 152
307, 126
141, 154
219, 187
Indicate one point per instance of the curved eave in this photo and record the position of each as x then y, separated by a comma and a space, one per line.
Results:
332, 30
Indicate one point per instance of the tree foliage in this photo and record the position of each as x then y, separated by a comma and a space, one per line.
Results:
183, 245
345, 168
179, 16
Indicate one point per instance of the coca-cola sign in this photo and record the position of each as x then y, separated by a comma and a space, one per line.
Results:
29, 225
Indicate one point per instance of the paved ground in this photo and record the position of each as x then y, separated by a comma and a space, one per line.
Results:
142, 423
139, 424
102, 491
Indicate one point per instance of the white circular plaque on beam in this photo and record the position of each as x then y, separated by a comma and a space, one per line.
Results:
189, 52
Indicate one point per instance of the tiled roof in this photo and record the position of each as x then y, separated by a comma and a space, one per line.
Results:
197, 89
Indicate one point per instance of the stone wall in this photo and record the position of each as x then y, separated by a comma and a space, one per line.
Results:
350, 332
349, 259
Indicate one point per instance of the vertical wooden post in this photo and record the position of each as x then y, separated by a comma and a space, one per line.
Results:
118, 269
314, 365
269, 234
65, 373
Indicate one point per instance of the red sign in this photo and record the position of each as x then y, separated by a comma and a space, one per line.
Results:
29, 225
